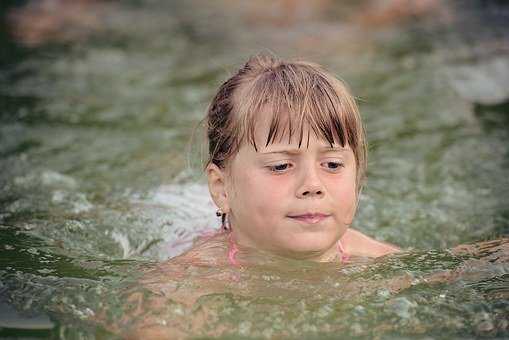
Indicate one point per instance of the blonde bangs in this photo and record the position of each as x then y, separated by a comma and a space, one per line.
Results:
299, 95
301, 98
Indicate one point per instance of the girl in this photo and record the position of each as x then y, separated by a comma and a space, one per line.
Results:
287, 161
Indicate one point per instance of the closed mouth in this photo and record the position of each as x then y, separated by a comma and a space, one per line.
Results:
310, 218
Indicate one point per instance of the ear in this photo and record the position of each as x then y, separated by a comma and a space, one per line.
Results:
217, 186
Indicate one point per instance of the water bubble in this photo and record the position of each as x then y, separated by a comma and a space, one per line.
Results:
483, 322
178, 310
268, 333
402, 307
32, 251
359, 310
245, 327
383, 293
324, 311
356, 329
74, 226
124, 243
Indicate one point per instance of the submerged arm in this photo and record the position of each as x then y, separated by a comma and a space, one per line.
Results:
358, 244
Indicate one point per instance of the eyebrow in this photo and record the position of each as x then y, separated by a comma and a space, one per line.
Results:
297, 151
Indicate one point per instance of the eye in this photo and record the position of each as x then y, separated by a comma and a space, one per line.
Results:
334, 165
282, 167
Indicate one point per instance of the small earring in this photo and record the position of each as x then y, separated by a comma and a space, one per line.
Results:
220, 213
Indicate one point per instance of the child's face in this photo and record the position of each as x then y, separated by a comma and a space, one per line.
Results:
291, 201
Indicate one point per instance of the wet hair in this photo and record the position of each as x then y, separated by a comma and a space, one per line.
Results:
299, 94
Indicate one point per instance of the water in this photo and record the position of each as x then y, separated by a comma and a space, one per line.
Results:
99, 180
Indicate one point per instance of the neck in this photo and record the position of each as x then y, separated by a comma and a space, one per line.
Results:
237, 242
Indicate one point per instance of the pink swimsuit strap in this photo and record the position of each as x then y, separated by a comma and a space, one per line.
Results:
232, 250
343, 255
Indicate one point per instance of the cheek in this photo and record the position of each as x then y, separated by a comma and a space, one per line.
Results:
344, 196
258, 191
346, 190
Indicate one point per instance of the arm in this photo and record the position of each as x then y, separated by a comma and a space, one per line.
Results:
358, 244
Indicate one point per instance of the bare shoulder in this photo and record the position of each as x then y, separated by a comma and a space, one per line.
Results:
169, 277
359, 244
162, 298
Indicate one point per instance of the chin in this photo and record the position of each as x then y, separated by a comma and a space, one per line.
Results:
312, 244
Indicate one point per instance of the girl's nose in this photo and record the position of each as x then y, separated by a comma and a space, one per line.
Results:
311, 185
312, 192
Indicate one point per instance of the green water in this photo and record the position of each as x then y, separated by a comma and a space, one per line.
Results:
100, 173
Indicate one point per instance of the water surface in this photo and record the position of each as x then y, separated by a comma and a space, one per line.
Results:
100, 176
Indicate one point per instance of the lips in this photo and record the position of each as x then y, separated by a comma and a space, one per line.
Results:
310, 218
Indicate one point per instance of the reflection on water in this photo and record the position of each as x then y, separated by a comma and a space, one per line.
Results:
98, 182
